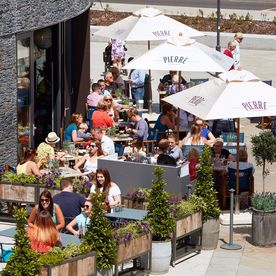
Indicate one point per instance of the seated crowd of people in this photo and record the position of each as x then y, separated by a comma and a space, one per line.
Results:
67, 211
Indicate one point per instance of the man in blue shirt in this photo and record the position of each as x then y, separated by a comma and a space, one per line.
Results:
137, 83
69, 202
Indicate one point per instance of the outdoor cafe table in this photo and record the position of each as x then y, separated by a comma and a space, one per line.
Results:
68, 172
65, 238
128, 214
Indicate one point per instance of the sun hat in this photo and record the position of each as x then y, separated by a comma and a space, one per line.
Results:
52, 138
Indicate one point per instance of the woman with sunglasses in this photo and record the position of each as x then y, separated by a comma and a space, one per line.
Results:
43, 234
110, 189
90, 159
111, 109
82, 220
46, 203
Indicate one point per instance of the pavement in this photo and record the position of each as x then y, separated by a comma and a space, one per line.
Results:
249, 260
258, 56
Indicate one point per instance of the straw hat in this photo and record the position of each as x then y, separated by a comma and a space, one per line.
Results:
52, 138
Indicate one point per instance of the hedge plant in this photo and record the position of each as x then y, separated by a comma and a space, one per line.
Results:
100, 234
159, 217
205, 186
23, 261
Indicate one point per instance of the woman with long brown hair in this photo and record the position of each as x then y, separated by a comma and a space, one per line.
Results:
28, 165
90, 159
43, 234
72, 129
195, 138
110, 189
46, 203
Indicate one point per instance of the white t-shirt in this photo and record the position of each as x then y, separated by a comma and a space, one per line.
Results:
113, 191
107, 145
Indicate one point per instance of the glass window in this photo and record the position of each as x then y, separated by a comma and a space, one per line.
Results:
23, 93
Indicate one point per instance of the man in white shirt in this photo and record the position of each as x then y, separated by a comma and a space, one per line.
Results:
236, 53
106, 142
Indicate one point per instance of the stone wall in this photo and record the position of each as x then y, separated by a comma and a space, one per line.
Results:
21, 16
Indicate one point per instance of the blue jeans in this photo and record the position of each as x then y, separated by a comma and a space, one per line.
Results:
138, 93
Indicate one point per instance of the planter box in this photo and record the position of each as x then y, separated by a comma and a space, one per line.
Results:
83, 265
134, 204
134, 248
22, 193
186, 226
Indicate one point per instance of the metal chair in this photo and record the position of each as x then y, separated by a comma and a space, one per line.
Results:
5, 253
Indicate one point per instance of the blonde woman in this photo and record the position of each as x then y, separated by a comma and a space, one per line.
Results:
100, 117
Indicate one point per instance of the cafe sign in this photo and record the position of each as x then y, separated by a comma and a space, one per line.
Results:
161, 33
175, 59
254, 105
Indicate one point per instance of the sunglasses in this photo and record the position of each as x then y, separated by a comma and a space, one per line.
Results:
47, 200
108, 100
86, 206
92, 146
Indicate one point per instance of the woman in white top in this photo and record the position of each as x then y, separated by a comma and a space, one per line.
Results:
195, 137
90, 159
110, 189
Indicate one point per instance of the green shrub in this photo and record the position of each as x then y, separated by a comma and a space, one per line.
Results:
205, 186
23, 261
264, 201
100, 234
264, 151
159, 216
188, 207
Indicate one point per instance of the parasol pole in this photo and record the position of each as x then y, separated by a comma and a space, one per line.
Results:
178, 110
237, 195
150, 89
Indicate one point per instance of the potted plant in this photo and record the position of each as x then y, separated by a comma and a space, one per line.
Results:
188, 216
205, 189
162, 224
133, 240
100, 236
263, 204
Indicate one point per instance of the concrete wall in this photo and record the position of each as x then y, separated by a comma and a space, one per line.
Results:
18, 16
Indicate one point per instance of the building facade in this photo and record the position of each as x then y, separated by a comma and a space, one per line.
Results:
44, 69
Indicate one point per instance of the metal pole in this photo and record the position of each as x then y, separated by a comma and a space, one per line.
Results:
150, 88
189, 186
231, 245
218, 48
237, 196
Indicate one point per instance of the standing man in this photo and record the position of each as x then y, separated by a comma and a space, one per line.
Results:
137, 83
236, 54
231, 46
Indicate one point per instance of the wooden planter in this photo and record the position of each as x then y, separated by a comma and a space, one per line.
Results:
83, 265
186, 226
134, 204
134, 248
22, 193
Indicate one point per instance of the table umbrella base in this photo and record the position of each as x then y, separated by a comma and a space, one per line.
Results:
232, 246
